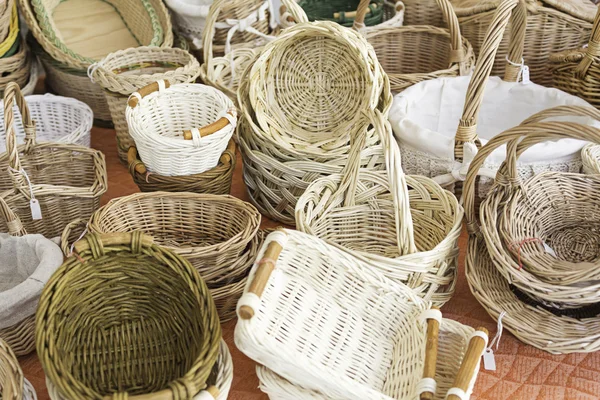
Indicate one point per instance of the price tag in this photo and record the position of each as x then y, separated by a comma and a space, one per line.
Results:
525, 75
489, 361
36, 211
550, 250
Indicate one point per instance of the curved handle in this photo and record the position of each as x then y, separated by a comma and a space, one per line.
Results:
13, 222
134, 162
469, 363
592, 51
211, 128
294, 12
359, 10
135, 98
518, 139
360, 14
229, 154
431, 352
113, 239
467, 128
12, 94
64, 237
563, 111
265, 268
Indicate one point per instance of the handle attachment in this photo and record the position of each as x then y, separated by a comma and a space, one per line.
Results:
353, 14
433, 317
113, 239
13, 222
469, 364
136, 97
134, 162
593, 49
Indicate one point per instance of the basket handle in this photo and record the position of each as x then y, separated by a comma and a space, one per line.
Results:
592, 51
64, 237
467, 128
361, 12
136, 97
135, 163
469, 364
291, 10
264, 269
433, 318
114, 239
229, 154
12, 94
15, 226
211, 128
519, 139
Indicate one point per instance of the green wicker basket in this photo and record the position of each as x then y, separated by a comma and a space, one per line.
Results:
341, 11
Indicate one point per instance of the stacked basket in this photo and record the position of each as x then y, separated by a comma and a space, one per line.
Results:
13, 385
65, 33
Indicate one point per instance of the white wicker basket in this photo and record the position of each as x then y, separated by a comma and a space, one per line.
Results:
223, 380
328, 321
181, 129
57, 119
590, 156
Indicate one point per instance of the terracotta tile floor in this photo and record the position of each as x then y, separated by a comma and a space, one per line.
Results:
523, 373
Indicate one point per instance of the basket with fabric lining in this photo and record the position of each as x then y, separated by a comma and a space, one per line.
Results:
344, 12
126, 71
366, 333
116, 307
439, 137
590, 157
214, 181
13, 385
45, 186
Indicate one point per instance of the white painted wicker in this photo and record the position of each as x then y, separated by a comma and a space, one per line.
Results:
223, 382
157, 122
329, 322
453, 340
57, 119
590, 156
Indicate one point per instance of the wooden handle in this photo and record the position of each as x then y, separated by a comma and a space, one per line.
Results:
132, 157
229, 153
261, 278
113, 239
209, 129
351, 14
469, 363
431, 352
145, 91
214, 391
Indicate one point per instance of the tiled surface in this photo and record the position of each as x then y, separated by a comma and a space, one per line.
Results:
523, 373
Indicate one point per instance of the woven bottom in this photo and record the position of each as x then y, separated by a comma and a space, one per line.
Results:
21, 336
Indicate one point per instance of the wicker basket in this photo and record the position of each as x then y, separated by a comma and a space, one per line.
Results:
181, 129
344, 12
547, 326
223, 370
9, 28
367, 335
13, 385
411, 54
437, 141
57, 119
16, 68
148, 307
578, 71
126, 71
214, 181
60, 182
216, 234
590, 157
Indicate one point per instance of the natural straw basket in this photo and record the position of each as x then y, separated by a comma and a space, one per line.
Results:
8, 10
126, 71
367, 334
17, 67
411, 235
344, 12
578, 71
411, 54
66, 181
180, 129
124, 318
223, 370
57, 119
590, 157
214, 181
13, 385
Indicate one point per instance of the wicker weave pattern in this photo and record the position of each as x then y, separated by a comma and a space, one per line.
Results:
16, 68
6, 14
164, 337
21, 336
13, 386
590, 155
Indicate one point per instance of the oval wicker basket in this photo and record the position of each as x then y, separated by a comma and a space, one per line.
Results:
126, 71
13, 385
120, 305
214, 181
63, 181
590, 156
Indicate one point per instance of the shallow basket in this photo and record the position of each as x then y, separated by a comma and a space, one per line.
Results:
57, 119
126, 71
13, 385
64, 181
590, 157
437, 141
180, 129
328, 321
224, 377
168, 319
214, 181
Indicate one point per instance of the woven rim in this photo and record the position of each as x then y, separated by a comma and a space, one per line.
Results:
104, 261
11, 375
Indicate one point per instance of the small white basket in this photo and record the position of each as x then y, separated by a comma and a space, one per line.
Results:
181, 129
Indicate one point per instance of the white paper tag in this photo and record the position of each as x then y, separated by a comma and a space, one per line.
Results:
489, 361
549, 250
36, 211
525, 75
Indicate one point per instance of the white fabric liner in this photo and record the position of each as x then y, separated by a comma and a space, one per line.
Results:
425, 116
26, 264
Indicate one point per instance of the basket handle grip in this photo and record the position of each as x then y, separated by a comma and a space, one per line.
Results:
592, 51
12, 94
469, 363
114, 239
264, 269
292, 11
229, 154
507, 9
135, 98
15, 227
353, 14
64, 238
212, 127
431, 349
133, 162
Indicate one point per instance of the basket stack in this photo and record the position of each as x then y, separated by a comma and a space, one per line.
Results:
126, 71
13, 385
183, 134
63, 36
218, 235
303, 101
140, 306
